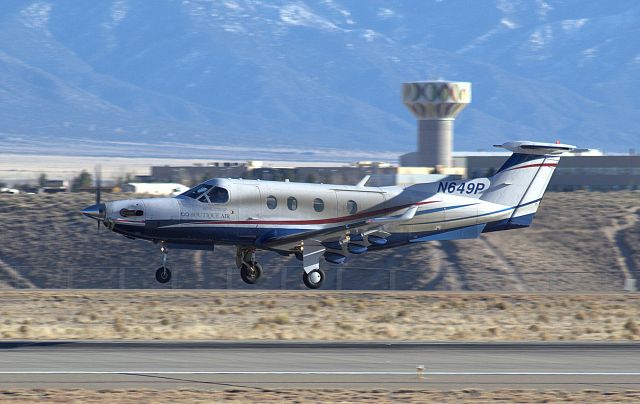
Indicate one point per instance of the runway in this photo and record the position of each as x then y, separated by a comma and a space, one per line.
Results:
217, 365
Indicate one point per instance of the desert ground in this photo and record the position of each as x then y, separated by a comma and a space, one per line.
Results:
315, 395
560, 280
579, 241
312, 316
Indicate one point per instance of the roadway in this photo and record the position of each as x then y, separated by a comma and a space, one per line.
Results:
217, 365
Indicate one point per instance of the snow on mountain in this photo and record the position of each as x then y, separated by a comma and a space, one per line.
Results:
320, 74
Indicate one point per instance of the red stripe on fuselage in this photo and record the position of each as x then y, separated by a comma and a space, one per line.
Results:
534, 165
319, 221
129, 221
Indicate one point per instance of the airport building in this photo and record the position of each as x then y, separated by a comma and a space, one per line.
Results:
596, 173
435, 105
575, 172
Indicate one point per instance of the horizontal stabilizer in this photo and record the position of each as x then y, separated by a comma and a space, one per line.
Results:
538, 148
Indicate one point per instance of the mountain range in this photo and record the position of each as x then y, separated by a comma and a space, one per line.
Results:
311, 79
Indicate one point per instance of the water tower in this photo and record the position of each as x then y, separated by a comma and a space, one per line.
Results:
435, 104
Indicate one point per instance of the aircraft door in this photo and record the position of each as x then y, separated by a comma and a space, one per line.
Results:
351, 203
248, 203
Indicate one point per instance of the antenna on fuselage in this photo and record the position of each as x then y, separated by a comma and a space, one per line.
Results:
363, 181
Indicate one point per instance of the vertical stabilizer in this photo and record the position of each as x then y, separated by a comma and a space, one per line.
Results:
523, 179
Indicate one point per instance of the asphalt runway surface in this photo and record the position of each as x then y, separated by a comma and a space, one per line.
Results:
264, 365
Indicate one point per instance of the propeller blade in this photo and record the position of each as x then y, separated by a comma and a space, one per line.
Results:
98, 188
98, 183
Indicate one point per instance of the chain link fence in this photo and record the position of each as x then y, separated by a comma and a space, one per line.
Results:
337, 278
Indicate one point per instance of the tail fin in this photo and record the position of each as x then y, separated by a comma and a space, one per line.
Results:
522, 180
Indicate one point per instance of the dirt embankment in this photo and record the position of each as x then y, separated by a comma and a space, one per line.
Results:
579, 241
314, 395
410, 316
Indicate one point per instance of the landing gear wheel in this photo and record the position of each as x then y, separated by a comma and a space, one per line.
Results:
313, 279
163, 275
250, 273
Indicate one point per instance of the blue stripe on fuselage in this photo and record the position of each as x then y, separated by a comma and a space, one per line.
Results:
482, 215
426, 212
518, 158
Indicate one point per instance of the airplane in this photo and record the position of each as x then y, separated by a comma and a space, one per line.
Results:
334, 222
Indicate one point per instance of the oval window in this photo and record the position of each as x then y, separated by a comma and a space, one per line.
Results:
352, 207
318, 205
272, 202
292, 203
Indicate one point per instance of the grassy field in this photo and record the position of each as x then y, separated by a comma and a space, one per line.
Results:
342, 316
315, 395
579, 241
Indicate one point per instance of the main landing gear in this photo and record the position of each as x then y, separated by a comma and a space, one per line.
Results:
312, 276
163, 274
313, 279
250, 269
311, 251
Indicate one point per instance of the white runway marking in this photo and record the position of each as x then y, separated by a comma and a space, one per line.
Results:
205, 372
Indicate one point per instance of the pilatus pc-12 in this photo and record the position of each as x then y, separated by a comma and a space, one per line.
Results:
315, 221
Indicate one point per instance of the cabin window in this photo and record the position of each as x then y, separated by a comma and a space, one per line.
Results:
292, 203
218, 195
272, 202
130, 212
352, 207
318, 205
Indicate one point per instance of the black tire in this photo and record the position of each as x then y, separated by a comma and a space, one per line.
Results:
307, 278
163, 275
251, 273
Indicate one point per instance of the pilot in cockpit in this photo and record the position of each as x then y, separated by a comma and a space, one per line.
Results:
218, 195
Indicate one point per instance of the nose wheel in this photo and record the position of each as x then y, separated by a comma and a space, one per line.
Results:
163, 274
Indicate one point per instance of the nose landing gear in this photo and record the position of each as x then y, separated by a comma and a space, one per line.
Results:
163, 274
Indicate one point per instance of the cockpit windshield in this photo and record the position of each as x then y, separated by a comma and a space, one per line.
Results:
208, 194
197, 191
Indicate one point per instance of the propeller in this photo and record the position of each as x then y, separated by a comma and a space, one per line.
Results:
98, 169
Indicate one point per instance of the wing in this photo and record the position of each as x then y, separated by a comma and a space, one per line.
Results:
364, 232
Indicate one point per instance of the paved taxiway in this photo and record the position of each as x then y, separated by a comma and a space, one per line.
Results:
218, 365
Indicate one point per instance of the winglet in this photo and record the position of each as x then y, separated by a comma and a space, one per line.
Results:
363, 181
